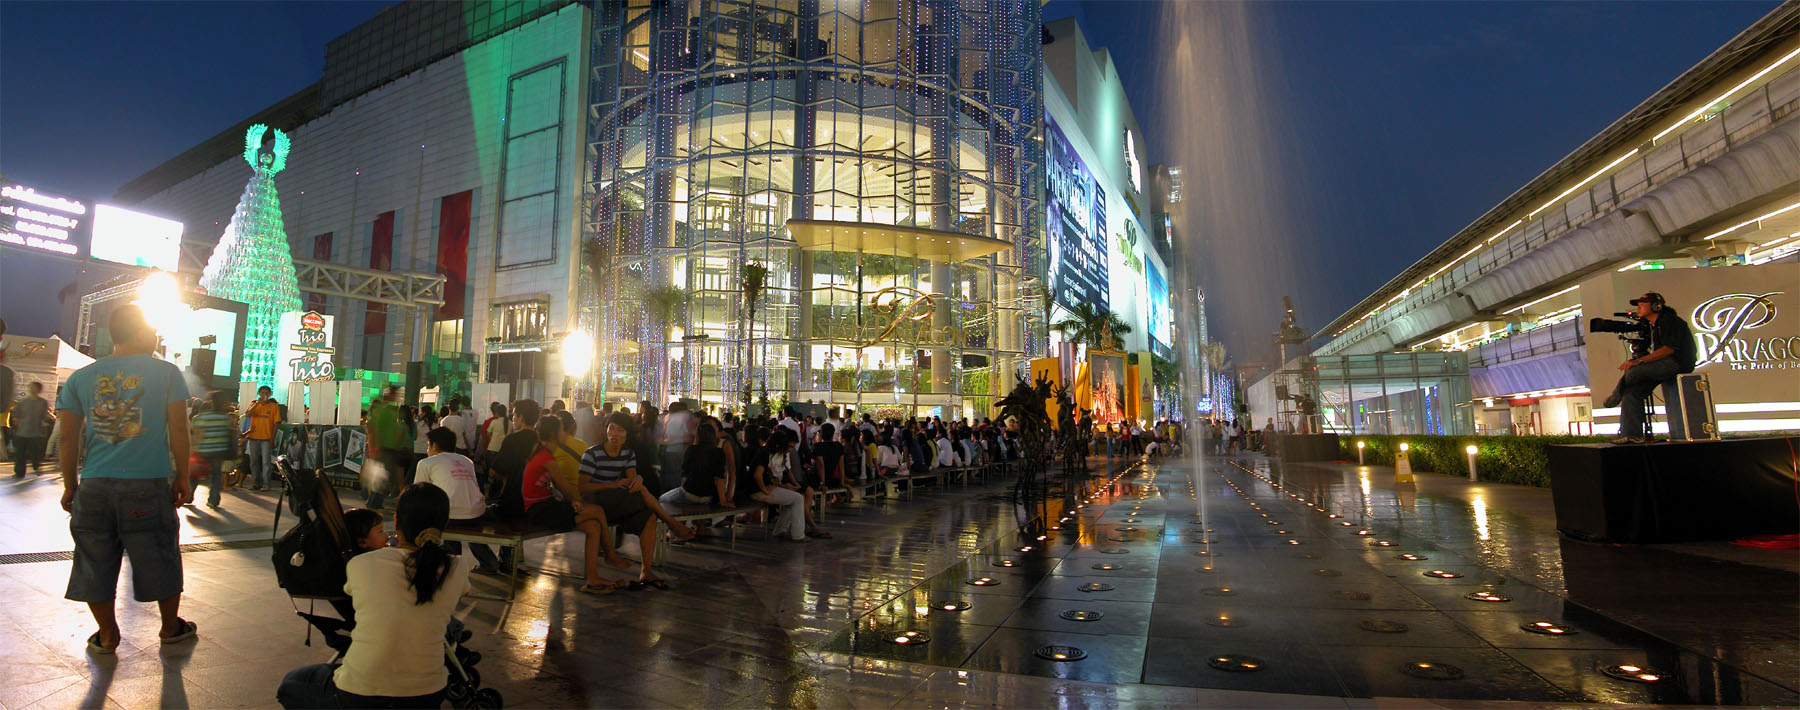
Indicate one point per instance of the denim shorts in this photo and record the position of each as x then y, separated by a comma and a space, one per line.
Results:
114, 517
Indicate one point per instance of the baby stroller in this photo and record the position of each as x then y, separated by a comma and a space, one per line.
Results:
310, 561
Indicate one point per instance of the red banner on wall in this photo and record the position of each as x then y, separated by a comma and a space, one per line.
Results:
381, 258
453, 251
321, 251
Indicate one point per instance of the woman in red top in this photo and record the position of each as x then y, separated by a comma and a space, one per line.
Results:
549, 505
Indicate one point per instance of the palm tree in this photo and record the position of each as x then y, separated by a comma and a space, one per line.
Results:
1096, 327
661, 303
1164, 373
753, 279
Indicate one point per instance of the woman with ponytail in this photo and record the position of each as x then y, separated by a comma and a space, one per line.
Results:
404, 597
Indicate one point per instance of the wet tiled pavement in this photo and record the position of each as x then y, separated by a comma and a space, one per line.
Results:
1188, 566
1315, 579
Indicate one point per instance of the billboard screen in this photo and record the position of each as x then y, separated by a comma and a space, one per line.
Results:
1076, 224
1159, 306
42, 222
136, 239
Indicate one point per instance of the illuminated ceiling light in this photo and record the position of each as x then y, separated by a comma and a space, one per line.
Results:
1486, 595
1442, 574
1383, 626
1541, 300
1410, 557
1722, 97
1081, 615
984, 582
1584, 181
1219, 592
1747, 223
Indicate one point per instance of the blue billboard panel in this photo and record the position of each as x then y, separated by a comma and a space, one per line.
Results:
1076, 224
1159, 309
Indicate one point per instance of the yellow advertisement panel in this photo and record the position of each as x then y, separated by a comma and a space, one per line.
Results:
1131, 392
1048, 369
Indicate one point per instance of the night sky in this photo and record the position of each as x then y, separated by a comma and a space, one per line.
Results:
1394, 124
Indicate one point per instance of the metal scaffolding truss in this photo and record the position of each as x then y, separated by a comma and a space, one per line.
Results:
403, 288
399, 288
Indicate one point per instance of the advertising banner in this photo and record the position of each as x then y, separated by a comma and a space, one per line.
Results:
1159, 309
304, 349
42, 222
1745, 321
136, 239
1107, 373
1048, 369
1076, 224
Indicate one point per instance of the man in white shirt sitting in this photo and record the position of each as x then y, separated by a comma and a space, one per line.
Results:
455, 473
947, 456
454, 421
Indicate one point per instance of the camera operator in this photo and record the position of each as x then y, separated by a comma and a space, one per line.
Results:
1671, 352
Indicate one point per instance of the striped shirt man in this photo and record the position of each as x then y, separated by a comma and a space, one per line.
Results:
214, 433
601, 467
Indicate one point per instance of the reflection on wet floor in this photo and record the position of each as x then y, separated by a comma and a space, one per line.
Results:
1312, 579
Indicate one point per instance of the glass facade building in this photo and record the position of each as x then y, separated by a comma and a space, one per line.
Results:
879, 158
1394, 393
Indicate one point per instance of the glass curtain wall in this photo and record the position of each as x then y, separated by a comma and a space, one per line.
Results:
714, 122
1395, 393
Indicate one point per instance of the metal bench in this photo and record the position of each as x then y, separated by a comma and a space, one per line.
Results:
689, 512
511, 535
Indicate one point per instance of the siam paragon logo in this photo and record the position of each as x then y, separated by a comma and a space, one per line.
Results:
1720, 324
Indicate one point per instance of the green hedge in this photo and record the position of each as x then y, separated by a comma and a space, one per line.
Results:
1523, 460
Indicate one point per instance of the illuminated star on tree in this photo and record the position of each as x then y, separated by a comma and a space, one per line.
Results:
252, 263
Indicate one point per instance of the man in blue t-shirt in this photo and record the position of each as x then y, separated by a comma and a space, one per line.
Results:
124, 459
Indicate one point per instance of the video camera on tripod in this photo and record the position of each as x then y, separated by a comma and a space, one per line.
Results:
1634, 331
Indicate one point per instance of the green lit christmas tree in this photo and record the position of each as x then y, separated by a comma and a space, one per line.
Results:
252, 263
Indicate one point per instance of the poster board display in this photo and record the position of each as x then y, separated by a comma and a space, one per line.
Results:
1107, 377
1076, 224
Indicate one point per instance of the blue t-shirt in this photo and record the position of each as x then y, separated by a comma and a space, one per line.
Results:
125, 401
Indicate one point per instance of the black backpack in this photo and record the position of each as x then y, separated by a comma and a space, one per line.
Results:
310, 558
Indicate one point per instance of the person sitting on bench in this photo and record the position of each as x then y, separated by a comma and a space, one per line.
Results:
610, 480
703, 477
552, 503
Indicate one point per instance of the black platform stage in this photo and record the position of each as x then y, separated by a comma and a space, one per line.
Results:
1676, 491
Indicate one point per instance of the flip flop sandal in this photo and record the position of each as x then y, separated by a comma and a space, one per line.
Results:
188, 631
821, 533
598, 590
94, 646
636, 586
656, 584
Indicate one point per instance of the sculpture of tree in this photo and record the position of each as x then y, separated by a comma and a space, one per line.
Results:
252, 263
